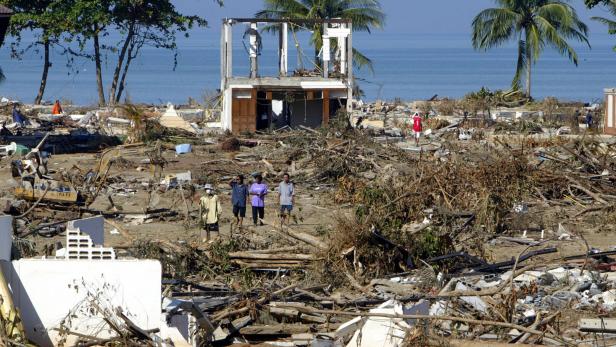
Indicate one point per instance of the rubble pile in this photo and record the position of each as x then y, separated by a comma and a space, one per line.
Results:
474, 237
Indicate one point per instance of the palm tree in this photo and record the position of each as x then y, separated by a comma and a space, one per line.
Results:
611, 24
365, 15
535, 24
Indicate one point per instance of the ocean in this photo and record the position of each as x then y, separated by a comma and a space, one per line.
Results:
406, 66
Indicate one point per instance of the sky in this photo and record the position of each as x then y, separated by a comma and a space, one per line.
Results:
403, 16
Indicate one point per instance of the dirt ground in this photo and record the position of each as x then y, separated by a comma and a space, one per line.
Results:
315, 212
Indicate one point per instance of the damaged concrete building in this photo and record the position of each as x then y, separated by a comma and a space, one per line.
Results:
292, 98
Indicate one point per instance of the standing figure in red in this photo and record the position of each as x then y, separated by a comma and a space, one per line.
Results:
417, 127
57, 109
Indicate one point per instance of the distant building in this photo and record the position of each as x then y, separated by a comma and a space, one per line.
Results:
288, 98
609, 125
5, 15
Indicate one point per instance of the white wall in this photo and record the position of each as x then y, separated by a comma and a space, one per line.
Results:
47, 290
225, 115
6, 237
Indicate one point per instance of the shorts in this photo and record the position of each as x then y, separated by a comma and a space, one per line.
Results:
286, 208
211, 227
239, 211
417, 134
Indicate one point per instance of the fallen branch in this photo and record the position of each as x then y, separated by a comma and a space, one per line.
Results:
427, 317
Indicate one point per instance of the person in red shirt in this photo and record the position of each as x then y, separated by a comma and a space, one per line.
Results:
417, 127
57, 109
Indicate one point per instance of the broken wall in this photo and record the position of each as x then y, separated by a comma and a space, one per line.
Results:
6, 237
46, 291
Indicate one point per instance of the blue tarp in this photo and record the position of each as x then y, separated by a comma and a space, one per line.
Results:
19, 118
183, 148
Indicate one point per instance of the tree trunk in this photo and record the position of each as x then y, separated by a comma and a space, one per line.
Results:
122, 84
529, 65
46, 65
99, 70
118, 68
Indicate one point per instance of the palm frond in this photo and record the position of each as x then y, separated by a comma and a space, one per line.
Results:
360, 61
364, 14
553, 38
493, 27
611, 25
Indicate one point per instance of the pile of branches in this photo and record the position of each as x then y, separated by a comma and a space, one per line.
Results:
327, 155
435, 208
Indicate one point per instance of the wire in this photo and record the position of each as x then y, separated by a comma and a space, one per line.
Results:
301, 52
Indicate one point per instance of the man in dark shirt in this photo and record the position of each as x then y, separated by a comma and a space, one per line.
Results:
239, 195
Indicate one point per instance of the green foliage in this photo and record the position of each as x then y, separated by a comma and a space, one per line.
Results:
154, 23
365, 14
46, 19
610, 23
593, 3
535, 24
430, 244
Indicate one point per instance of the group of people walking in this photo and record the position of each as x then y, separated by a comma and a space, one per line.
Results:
210, 208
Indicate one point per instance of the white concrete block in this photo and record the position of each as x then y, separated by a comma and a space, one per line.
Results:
94, 227
48, 291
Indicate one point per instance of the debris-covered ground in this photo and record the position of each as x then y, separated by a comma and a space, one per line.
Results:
479, 234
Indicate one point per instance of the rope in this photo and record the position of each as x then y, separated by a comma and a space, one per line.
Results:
300, 52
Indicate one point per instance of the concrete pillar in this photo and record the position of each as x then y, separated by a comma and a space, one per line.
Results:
228, 49
283, 51
350, 68
326, 55
254, 66
342, 47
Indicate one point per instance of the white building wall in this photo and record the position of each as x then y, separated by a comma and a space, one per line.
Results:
6, 237
46, 291
225, 116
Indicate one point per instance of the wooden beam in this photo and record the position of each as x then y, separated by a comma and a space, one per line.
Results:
286, 329
325, 107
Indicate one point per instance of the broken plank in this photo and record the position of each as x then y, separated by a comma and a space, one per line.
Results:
301, 236
597, 325
249, 255
287, 329
269, 265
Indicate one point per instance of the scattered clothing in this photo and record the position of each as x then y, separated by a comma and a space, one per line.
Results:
18, 117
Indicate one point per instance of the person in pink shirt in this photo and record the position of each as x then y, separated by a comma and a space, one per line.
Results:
258, 191
417, 127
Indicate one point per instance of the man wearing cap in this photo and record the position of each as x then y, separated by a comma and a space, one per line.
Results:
209, 212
